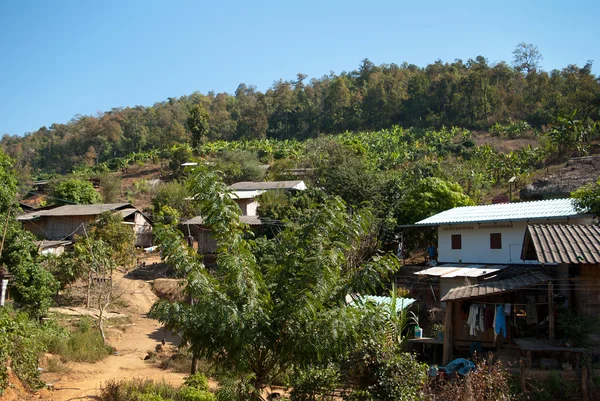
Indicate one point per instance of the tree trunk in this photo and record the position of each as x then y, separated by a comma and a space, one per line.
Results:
194, 368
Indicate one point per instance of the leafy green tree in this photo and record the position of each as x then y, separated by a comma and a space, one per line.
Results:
259, 317
526, 57
74, 190
32, 286
239, 165
587, 199
110, 187
175, 195
345, 171
120, 237
197, 123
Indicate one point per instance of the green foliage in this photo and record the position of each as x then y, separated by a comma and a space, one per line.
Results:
315, 383
197, 381
239, 165
381, 372
32, 285
197, 123
119, 237
194, 394
137, 390
176, 196
427, 197
82, 345
472, 94
577, 327
20, 347
260, 319
587, 199
110, 187
74, 190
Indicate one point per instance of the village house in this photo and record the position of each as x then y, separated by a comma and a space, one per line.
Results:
493, 234
534, 299
64, 222
476, 243
245, 194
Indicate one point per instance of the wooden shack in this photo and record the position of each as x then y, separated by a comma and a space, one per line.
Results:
513, 294
574, 250
64, 222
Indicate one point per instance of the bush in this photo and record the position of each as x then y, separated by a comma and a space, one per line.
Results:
485, 383
83, 345
197, 381
194, 394
315, 383
20, 346
137, 390
381, 372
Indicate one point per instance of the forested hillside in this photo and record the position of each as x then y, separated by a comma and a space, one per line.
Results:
473, 94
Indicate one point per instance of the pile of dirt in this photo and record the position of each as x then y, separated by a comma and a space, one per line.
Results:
576, 173
17, 391
169, 288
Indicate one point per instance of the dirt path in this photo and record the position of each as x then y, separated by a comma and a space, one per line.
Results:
132, 345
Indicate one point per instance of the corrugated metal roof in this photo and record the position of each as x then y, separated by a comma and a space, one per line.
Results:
75, 210
401, 303
45, 244
250, 220
555, 243
495, 287
253, 186
542, 209
245, 194
461, 270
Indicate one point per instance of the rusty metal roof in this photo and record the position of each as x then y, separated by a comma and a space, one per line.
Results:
75, 210
495, 287
556, 243
543, 209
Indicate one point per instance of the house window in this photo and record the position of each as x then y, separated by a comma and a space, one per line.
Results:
495, 241
456, 241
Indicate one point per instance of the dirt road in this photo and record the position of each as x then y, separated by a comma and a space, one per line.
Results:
132, 345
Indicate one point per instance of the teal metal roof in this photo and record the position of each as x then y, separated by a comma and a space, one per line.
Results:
401, 303
543, 209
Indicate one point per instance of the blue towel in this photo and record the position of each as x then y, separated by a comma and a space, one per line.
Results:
500, 326
460, 365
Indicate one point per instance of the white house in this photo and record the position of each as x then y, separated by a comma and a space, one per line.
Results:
493, 234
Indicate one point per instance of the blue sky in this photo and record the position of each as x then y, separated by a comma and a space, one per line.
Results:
62, 58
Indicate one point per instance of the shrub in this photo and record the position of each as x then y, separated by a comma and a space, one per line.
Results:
485, 383
315, 383
193, 394
197, 381
382, 372
137, 390
83, 345
20, 346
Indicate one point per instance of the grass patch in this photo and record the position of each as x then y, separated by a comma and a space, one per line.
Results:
84, 344
148, 390
55, 365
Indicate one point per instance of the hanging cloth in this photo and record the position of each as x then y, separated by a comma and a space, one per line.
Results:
472, 320
488, 321
500, 321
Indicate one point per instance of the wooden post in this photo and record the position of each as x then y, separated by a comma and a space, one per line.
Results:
522, 374
448, 340
550, 311
584, 384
